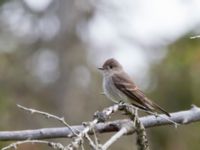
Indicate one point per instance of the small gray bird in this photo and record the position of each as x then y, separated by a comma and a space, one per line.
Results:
118, 86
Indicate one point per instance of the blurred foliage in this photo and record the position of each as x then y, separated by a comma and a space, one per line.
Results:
2, 1
177, 88
75, 90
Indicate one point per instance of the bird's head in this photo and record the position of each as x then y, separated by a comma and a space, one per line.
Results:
111, 66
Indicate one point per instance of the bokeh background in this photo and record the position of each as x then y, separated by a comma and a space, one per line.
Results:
50, 51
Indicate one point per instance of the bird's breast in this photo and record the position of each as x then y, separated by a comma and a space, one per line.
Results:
111, 91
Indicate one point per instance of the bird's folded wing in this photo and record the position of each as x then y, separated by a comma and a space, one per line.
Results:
124, 84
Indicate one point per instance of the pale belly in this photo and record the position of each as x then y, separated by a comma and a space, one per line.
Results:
112, 92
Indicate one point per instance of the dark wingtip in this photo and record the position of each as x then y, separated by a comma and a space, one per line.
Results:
100, 68
168, 114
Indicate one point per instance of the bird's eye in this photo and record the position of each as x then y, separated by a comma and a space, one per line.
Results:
111, 66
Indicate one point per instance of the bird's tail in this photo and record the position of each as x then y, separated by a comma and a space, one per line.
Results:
151, 106
156, 106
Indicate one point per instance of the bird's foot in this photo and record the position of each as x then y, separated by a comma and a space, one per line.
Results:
135, 111
121, 102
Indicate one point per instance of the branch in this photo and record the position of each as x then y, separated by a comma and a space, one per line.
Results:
51, 144
99, 117
134, 126
195, 37
182, 117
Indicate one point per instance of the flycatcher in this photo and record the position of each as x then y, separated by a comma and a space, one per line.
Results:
118, 86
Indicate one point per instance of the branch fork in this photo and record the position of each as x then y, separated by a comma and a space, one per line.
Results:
98, 125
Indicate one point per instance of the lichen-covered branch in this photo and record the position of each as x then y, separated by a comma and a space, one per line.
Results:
137, 126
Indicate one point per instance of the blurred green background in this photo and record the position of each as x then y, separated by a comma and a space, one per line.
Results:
50, 51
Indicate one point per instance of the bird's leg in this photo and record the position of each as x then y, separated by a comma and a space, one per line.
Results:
136, 111
156, 114
121, 102
123, 106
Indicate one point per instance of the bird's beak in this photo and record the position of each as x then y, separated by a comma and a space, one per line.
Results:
100, 68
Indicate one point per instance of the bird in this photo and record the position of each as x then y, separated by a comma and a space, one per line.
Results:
119, 87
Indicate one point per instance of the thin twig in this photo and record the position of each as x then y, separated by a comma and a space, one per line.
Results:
195, 37
61, 119
95, 137
75, 144
91, 143
99, 117
82, 146
58, 146
114, 138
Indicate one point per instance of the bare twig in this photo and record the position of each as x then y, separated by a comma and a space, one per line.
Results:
92, 144
82, 147
51, 144
195, 37
124, 130
95, 137
61, 119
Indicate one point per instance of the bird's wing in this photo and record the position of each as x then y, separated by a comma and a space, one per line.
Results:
124, 84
